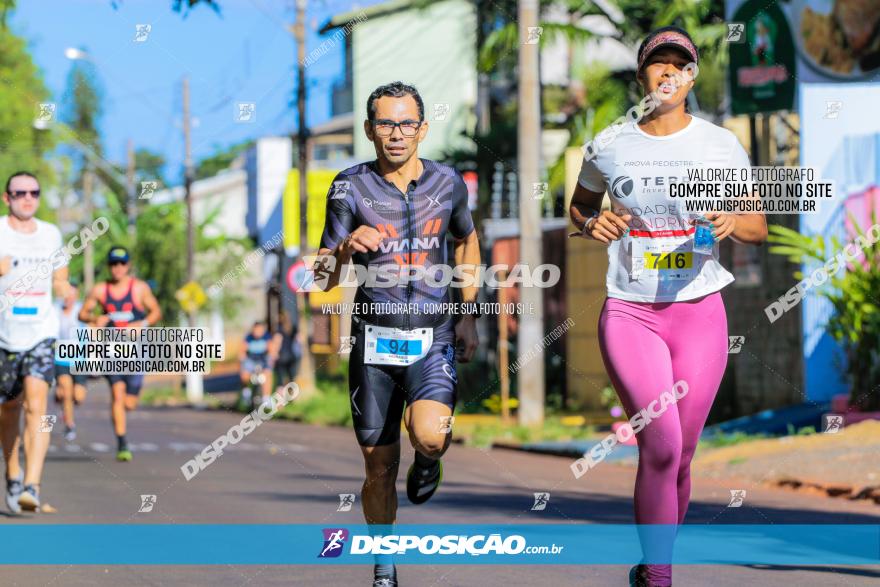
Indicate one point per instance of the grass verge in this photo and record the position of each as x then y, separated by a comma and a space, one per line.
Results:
329, 407
484, 432
171, 396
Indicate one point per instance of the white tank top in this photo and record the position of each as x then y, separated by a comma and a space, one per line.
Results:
636, 169
27, 315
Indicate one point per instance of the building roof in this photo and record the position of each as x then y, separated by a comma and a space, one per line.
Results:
340, 20
341, 123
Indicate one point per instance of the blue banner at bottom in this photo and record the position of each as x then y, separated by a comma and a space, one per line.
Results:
525, 544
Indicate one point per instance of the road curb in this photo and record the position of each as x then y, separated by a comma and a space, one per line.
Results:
850, 492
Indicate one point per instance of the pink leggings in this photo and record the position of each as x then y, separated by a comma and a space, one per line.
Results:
646, 347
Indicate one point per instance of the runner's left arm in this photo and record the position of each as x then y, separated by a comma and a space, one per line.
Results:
151, 305
467, 261
60, 276
60, 282
749, 229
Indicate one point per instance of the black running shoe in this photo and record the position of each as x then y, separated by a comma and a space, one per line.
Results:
638, 576
422, 483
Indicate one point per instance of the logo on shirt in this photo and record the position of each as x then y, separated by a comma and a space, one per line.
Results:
405, 245
622, 186
339, 189
377, 204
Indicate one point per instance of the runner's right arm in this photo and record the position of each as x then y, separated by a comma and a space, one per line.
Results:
586, 207
342, 239
88, 308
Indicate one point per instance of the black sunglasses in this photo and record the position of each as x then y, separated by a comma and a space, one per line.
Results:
15, 195
112, 263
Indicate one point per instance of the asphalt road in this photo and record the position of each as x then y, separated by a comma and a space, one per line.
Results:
293, 473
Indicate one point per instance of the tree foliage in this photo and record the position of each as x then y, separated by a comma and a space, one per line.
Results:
22, 145
852, 291
158, 255
221, 159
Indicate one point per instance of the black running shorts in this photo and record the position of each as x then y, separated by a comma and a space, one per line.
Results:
15, 366
378, 392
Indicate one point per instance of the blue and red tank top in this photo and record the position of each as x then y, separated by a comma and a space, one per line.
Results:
122, 311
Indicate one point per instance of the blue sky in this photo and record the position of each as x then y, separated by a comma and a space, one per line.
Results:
244, 54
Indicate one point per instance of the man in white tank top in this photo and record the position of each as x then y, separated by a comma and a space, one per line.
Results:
32, 268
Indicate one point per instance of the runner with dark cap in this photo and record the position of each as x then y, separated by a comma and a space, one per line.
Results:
126, 302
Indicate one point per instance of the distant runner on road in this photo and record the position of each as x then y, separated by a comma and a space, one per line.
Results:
70, 389
125, 302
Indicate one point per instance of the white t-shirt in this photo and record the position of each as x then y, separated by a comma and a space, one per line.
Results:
27, 315
655, 262
67, 325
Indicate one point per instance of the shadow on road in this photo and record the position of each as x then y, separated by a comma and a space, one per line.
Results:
477, 503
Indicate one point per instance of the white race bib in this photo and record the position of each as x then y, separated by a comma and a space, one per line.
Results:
664, 258
394, 346
23, 312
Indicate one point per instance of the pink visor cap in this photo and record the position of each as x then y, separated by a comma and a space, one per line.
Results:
668, 39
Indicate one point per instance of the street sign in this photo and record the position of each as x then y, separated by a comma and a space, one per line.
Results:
296, 277
191, 297
762, 68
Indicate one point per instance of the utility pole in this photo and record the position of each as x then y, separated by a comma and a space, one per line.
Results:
187, 187
194, 383
89, 252
531, 325
307, 370
130, 189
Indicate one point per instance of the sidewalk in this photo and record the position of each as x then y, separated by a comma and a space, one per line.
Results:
845, 464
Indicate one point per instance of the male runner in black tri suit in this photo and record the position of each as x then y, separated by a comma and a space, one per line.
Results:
395, 211
126, 302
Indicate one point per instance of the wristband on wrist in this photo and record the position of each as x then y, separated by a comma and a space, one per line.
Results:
585, 230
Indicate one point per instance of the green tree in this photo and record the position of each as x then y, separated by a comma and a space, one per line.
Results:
221, 159
181, 6
82, 104
156, 257
22, 91
852, 289
149, 166
607, 95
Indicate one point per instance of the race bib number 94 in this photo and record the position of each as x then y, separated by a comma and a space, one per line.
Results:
394, 346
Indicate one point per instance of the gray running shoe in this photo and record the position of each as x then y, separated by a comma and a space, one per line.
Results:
29, 500
13, 491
